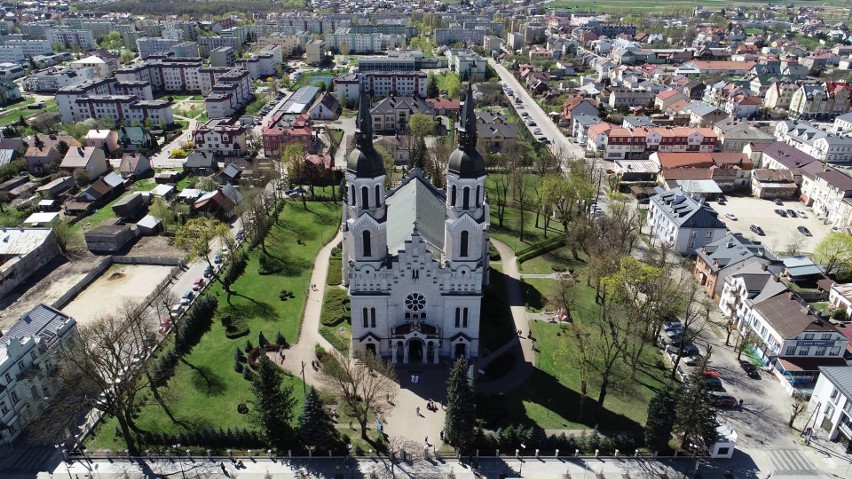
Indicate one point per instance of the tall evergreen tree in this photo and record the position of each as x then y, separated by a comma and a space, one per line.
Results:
461, 418
273, 408
432, 86
315, 427
661, 419
696, 417
418, 154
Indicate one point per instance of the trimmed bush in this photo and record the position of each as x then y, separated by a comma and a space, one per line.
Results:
235, 267
235, 327
335, 310
540, 248
335, 272
196, 322
493, 253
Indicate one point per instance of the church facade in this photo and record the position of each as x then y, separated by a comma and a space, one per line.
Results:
415, 256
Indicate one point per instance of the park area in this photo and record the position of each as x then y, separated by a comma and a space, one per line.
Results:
206, 390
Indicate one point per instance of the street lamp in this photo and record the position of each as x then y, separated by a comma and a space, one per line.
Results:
349, 460
180, 460
521, 467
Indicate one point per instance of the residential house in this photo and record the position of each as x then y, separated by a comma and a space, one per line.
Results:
23, 251
578, 105
391, 115
285, 128
134, 165
746, 283
830, 404
494, 131
620, 97
580, 124
734, 135
106, 239
200, 163
106, 140
320, 169
44, 151
820, 144
779, 95
221, 137
665, 99
793, 340
682, 221
325, 107
30, 352
820, 100
840, 297
445, 106
781, 156
135, 138
220, 203
723, 254
742, 106
824, 191
770, 184
89, 159
617, 143
843, 124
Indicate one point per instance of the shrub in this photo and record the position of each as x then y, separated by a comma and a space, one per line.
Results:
335, 272
269, 265
839, 315
248, 347
284, 295
281, 340
235, 327
493, 253
235, 267
337, 252
261, 339
164, 367
540, 248
336, 307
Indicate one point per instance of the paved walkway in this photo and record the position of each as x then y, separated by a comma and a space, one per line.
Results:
302, 352
524, 363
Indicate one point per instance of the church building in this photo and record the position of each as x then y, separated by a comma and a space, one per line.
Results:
415, 256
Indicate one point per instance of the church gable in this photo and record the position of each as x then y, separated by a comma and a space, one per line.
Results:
415, 202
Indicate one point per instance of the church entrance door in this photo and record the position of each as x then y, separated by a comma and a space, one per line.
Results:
415, 351
460, 350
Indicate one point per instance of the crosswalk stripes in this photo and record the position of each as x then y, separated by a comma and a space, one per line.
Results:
790, 462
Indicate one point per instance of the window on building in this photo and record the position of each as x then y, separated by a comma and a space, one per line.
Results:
809, 337
14, 397
458, 317
365, 238
464, 318
791, 350
478, 193
826, 336
453, 196
4, 408
372, 317
466, 198
8, 378
821, 351
364, 317
378, 195
365, 197
464, 241
835, 351
804, 351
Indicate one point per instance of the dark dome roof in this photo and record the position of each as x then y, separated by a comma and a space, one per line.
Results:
365, 163
466, 164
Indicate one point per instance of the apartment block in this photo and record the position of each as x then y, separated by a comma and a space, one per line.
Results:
73, 39
147, 46
347, 86
221, 137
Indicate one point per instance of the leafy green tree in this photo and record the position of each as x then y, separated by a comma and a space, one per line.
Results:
661, 419
417, 158
273, 403
834, 252
195, 238
696, 417
315, 426
421, 125
453, 85
461, 418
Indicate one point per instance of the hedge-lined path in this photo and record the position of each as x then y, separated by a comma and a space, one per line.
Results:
524, 363
304, 349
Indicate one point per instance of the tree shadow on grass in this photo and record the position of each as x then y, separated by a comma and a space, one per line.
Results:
206, 380
256, 309
562, 402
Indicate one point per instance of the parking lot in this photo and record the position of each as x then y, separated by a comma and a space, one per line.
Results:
779, 231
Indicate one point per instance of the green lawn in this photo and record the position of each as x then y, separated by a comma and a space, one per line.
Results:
12, 216
206, 390
13, 116
255, 106
99, 217
509, 233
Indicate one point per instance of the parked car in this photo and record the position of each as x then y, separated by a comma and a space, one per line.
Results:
756, 229
669, 325
781, 213
186, 298
208, 271
804, 230
778, 202
791, 213
750, 370
731, 216
693, 360
688, 350
531, 122
724, 402
198, 284
674, 334
713, 384
711, 373
802, 214
217, 259
524, 114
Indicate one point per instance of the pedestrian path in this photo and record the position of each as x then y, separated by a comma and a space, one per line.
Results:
299, 357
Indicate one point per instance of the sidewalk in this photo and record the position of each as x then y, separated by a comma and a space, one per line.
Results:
382, 467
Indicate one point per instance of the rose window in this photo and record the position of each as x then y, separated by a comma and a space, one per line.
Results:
415, 302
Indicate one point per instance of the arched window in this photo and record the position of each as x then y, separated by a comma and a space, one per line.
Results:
463, 246
366, 324
478, 201
464, 318
466, 198
378, 196
365, 238
372, 317
353, 195
453, 196
365, 197
458, 317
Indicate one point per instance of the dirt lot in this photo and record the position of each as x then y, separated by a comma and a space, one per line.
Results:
779, 231
53, 280
108, 292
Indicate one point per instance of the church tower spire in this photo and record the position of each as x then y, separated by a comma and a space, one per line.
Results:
466, 162
467, 127
364, 161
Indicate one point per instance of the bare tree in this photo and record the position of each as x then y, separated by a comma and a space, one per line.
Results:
798, 406
563, 294
576, 352
500, 196
745, 341
794, 244
613, 331
695, 314
366, 382
521, 189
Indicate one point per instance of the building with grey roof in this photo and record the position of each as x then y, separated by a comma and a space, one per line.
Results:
22, 252
748, 282
28, 357
677, 218
391, 114
416, 257
713, 258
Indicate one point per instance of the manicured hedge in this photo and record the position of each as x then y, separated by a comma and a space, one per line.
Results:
335, 272
542, 247
335, 310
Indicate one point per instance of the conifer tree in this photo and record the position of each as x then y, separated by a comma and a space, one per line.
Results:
461, 418
696, 418
273, 405
315, 427
661, 419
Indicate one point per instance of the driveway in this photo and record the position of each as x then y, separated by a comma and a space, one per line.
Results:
779, 231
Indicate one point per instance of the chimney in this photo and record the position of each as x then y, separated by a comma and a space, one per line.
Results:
775, 278
764, 267
790, 295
